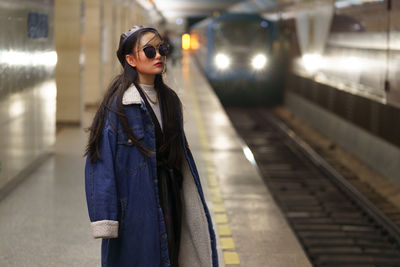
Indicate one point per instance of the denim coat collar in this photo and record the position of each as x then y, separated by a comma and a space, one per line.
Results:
131, 96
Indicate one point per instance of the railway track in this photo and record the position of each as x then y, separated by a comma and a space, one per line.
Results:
336, 225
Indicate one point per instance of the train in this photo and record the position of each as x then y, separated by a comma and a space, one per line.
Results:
236, 53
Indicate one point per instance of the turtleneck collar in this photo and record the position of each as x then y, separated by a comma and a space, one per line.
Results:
147, 87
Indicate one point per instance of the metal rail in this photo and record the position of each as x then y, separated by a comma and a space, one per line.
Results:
337, 178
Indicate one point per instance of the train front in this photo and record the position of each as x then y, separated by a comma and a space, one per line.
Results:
236, 55
241, 49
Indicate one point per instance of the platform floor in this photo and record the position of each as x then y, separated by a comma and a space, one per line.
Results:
44, 220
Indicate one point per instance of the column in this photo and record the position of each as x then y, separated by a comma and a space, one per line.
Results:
67, 34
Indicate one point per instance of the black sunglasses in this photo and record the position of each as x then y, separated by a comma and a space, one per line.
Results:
150, 51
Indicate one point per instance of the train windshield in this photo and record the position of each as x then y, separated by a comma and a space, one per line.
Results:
241, 33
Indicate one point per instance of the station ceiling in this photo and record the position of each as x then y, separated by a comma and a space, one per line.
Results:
188, 8
193, 8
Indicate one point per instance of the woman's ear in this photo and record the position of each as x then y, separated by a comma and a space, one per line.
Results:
131, 60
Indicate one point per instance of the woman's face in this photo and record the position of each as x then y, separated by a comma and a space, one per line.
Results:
143, 64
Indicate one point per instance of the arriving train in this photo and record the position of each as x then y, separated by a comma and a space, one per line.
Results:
235, 52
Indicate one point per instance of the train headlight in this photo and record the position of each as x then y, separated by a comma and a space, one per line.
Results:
222, 61
259, 61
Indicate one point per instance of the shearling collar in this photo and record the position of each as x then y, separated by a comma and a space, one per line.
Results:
131, 96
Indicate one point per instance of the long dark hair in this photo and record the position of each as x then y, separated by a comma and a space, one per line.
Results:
116, 90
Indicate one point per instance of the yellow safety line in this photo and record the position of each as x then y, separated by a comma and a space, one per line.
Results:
227, 243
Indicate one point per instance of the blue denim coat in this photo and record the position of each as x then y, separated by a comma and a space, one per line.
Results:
123, 204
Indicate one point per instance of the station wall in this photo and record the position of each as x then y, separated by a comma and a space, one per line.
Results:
27, 87
345, 73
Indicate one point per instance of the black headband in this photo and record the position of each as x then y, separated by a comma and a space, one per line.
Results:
124, 39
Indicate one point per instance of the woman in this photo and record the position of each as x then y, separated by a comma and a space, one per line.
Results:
142, 187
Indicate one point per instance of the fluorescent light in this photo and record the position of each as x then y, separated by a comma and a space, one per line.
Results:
22, 58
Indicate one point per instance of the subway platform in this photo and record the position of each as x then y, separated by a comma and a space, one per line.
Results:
44, 220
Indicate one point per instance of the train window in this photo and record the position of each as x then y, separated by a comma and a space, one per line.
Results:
240, 32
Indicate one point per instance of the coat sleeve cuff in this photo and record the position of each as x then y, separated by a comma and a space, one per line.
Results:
105, 229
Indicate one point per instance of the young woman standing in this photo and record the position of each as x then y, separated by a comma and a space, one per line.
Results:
142, 187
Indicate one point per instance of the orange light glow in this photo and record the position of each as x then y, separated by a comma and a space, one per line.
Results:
194, 41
